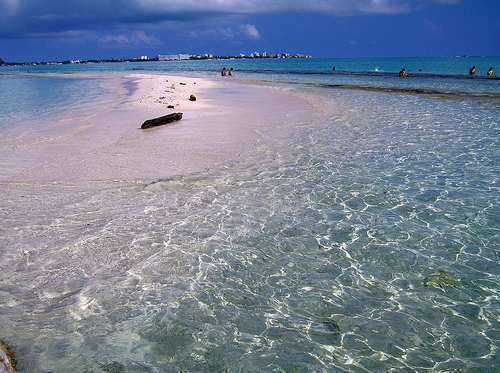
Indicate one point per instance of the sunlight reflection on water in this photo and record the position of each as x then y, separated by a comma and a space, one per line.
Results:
310, 254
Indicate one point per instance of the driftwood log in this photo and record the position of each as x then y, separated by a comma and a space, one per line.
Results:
161, 120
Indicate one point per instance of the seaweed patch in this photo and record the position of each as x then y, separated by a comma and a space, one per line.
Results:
438, 280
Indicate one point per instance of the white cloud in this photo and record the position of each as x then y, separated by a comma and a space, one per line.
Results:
11, 6
243, 31
430, 27
250, 30
221, 33
119, 39
128, 38
332, 7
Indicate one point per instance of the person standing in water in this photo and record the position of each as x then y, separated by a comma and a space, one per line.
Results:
490, 71
223, 72
472, 70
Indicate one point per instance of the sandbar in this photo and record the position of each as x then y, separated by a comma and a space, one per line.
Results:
106, 145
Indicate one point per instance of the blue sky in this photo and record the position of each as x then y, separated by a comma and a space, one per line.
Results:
43, 30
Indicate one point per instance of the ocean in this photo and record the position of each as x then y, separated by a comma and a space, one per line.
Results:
367, 242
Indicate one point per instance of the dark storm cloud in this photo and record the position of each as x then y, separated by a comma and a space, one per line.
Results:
28, 18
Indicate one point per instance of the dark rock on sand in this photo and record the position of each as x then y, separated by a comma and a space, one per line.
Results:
192, 98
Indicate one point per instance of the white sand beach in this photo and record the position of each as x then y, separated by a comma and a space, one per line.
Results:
107, 145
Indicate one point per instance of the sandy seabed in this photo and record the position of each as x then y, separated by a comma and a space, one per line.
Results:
105, 143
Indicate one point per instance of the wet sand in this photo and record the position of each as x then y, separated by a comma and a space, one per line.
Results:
106, 143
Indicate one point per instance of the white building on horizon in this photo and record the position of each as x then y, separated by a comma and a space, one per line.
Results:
172, 57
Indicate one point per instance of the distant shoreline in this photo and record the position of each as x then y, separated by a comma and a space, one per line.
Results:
117, 60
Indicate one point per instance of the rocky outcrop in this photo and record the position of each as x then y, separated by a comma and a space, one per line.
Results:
7, 361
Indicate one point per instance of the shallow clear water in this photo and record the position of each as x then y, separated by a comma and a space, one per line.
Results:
32, 97
368, 242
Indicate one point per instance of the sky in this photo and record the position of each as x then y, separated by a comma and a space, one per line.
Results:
55, 30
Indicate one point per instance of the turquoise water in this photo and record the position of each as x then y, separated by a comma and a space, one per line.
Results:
31, 96
367, 243
457, 66
31, 91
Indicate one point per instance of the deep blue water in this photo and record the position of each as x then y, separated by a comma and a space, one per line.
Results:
369, 242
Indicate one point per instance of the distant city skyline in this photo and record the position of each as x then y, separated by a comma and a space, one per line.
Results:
31, 30
161, 57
